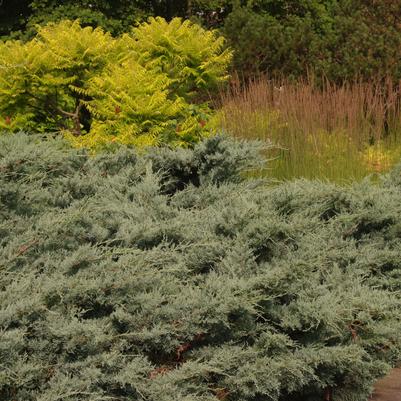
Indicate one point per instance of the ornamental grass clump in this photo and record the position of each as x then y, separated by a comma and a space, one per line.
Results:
163, 276
329, 131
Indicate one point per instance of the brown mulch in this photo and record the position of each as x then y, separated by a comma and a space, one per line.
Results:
389, 388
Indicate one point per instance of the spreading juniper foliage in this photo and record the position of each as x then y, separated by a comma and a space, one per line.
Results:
163, 277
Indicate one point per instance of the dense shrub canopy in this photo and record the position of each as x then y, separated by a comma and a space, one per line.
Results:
19, 19
162, 276
340, 39
190, 56
136, 89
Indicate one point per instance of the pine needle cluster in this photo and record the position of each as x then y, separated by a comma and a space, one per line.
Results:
164, 277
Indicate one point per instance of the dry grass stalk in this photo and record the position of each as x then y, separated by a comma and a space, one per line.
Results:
304, 117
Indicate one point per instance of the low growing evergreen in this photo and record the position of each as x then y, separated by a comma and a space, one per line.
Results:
165, 277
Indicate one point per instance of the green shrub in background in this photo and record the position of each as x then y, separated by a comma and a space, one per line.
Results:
339, 39
19, 20
163, 277
266, 44
136, 89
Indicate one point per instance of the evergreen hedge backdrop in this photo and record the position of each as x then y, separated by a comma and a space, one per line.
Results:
163, 277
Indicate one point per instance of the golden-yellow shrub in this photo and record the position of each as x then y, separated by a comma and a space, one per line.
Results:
137, 89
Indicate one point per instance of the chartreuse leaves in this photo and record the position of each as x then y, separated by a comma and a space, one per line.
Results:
138, 89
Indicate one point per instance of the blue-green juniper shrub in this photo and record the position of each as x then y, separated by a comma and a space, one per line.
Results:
163, 276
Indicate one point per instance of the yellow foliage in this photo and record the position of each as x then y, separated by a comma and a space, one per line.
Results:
192, 57
70, 46
97, 89
379, 158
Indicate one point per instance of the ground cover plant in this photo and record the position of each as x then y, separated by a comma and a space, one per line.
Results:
337, 132
164, 276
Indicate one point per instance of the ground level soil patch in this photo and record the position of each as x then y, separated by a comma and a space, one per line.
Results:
389, 388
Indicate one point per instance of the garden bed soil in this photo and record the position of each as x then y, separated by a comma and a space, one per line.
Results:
389, 388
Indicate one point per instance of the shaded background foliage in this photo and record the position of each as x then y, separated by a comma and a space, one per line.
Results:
340, 39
